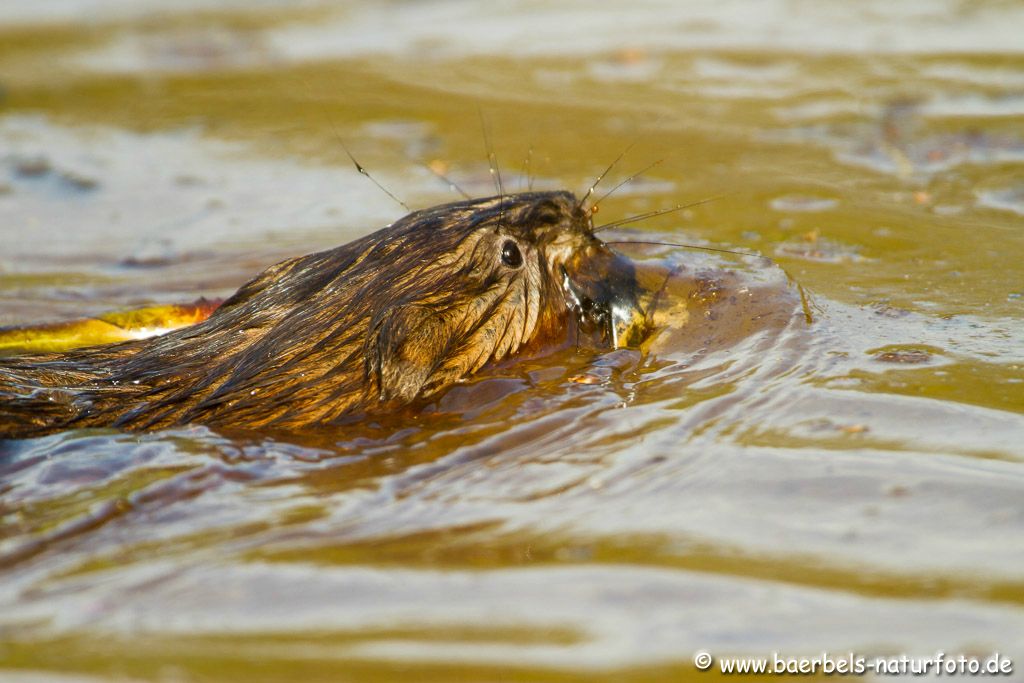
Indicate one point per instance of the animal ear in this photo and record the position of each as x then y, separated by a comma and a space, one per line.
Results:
407, 344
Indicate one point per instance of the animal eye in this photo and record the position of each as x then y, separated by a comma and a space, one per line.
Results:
510, 254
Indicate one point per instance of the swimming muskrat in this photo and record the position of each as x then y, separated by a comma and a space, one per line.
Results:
390, 318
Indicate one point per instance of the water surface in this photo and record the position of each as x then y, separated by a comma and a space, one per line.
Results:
822, 451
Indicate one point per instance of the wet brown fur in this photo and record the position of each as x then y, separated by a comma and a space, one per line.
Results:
387, 319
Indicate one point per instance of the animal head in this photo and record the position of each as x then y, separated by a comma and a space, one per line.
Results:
501, 272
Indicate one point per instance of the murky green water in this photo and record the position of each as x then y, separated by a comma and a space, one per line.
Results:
840, 470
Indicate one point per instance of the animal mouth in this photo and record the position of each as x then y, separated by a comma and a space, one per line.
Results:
604, 297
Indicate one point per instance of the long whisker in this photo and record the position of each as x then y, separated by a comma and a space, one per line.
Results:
693, 246
632, 177
527, 171
492, 159
659, 212
452, 185
590, 190
341, 141
492, 163
359, 167
605, 172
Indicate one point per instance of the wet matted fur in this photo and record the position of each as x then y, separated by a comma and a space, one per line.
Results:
390, 318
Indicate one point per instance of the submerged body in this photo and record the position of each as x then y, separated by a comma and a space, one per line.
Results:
380, 322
